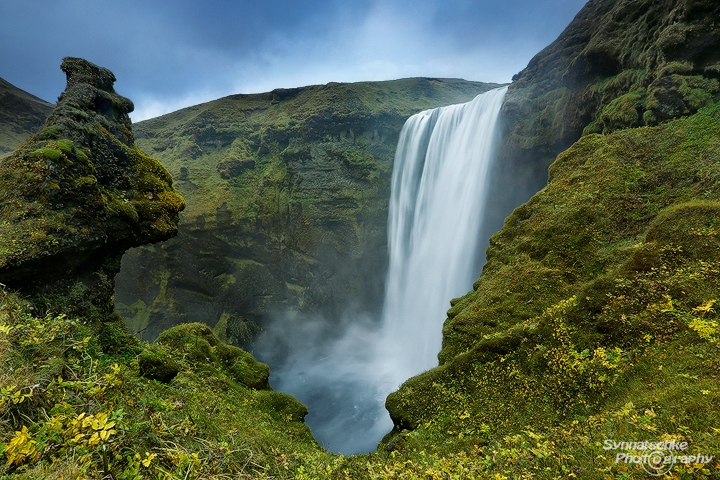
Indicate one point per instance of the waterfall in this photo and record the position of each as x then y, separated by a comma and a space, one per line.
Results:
437, 202
438, 195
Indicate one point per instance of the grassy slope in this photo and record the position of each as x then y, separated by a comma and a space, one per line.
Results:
286, 203
70, 407
21, 114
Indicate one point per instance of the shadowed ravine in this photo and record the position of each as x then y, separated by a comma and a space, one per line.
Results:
438, 195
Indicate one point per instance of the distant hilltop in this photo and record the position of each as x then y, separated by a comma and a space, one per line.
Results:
21, 114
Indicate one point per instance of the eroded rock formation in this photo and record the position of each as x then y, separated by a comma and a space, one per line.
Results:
78, 194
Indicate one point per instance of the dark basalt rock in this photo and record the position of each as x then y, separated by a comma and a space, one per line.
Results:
610, 49
233, 168
78, 194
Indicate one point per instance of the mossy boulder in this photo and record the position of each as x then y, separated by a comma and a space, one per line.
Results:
693, 226
199, 346
79, 193
286, 406
157, 363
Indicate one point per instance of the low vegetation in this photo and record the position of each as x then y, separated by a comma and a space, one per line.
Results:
71, 407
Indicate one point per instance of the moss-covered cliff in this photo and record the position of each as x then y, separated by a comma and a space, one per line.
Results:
618, 64
21, 115
593, 318
287, 204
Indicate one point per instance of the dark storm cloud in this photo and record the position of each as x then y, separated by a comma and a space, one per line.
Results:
171, 53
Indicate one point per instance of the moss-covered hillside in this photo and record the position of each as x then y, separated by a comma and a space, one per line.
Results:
287, 198
187, 406
21, 115
593, 318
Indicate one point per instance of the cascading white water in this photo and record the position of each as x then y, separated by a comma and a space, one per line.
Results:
438, 196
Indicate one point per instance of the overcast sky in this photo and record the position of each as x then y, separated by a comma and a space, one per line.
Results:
169, 54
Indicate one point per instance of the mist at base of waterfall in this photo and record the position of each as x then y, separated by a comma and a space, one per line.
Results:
330, 368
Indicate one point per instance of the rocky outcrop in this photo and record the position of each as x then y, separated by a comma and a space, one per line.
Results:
76, 195
618, 64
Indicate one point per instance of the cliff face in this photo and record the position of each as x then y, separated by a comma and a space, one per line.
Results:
21, 115
618, 64
76, 195
287, 204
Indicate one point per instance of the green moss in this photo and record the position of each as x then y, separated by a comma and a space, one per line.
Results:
157, 364
47, 152
115, 339
693, 225
681, 68
66, 145
622, 112
285, 406
199, 346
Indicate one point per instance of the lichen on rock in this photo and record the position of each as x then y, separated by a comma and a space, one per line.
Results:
78, 194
